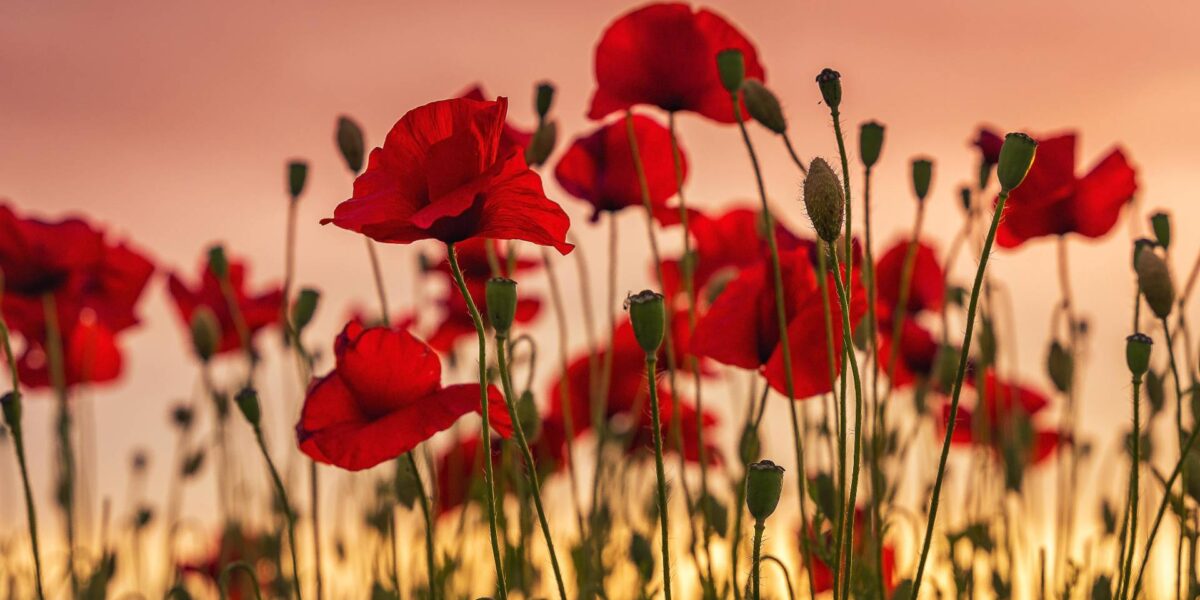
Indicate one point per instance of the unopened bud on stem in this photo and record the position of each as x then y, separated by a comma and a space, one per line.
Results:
870, 142
501, 297
763, 106
731, 66
1154, 280
764, 485
830, 82
1137, 354
823, 200
1016, 156
648, 318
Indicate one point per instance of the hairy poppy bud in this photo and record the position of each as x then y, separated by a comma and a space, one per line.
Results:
217, 263
922, 177
731, 66
763, 106
350, 143
1154, 279
964, 196
501, 297
648, 318
12, 410
1161, 223
206, 332
543, 99
247, 401
870, 142
541, 144
1060, 366
1137, 353
764, 485
304, 308
830, 82
297, 172
1016, 156
823, 200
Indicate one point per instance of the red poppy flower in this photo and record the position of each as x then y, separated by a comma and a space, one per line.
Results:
458, 472
918, 353
440, 175
1004, 418
926, 288
742, 329
599, 169
383, 398
1053, 201
665, 55
823, 576
257, 310
989, 143
512, 139
456, 322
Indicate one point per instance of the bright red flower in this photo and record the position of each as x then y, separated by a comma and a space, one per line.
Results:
926, 288
823, 576
1003, 417
1053, 201
665, 55
440, 175
458, 472
742, 328
599, 168
989, 143
512, 138
383, 398
258, 310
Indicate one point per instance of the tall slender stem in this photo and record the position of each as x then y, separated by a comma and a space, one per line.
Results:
848, 350
1162, 508
377, 273
18, 436
972, 306
288, 513
660, 472
427, 514
1127, 568
489, 478
58, 378
560, 317
759, 527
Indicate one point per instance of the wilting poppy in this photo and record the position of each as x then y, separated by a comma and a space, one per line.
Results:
440, 175
823, 576
1003, 420
257, 310
1053, 201
599, 168
383, 398
665, 55
512, 139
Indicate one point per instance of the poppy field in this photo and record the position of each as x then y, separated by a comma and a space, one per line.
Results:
596, 383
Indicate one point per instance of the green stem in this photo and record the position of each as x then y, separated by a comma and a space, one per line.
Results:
878, 479
1182, 455
1127, 569
972, 306
760, 526
787, 576
18, 436
660, 472
1162, 508
315, 501
427, 514
288, 514
227, 572
489, 478
848, 351
58, 378
530, 467
377, 273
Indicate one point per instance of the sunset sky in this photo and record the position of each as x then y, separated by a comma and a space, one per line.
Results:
171, 123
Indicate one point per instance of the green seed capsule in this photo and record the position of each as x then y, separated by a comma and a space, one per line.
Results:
297, 173
922, 177
830, 82
1137, 353
870, 142
247, 401
764, 485
1016, 156
648, 318
731, 66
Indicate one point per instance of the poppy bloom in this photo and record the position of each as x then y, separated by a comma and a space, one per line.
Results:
988, 142
1053, 201
258, 310
823, 576
741, 328
456, 322
665, 55
926, 295
1003, 421
440, 175
383, 398
458, 473
599, 169
512, 139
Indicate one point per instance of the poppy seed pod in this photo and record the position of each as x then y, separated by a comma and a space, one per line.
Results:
964, 196
12, 410
870, 142
541, 144
1154, 279
543, 99
830, 82
1016, 156
501, 297
763, 106
217, 262
823, 200
648, 318
748, 445
922, 177
764, 485
1137, 353
304, 308
350, 143
247, 401
206, 333
1160, 222
297, 173
1139, 245
1060, 366
731, 66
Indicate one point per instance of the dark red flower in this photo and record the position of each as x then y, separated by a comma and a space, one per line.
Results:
599, 168
258, 310
823, 576
989, 143
383, 398
1053, 201
918, 352
458, 472
1004, 418
926, 288
665, 55
512, 139
742, 328
440, 175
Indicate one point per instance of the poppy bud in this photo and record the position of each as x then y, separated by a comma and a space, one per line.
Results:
192, 464
206, 333
350, 143
823, 200
1137, 353
541, 144
501, 297
182, 416
1060, 366
1016, 156
1154, 279
528, 416
1161, 223
543, 99
748, 445
12, 410
217, 263
964, 196
1139, 245
247, 401
870, 142
297, 172
830, 82
922, 176
763, 106
648, 319
304, 308
731, 66
764, 485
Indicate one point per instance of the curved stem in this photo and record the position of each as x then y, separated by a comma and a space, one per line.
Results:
288, 514
1162, 508
787, 575
848, 351
489, 478
227, 572
660, 472
787, 141
972, 306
